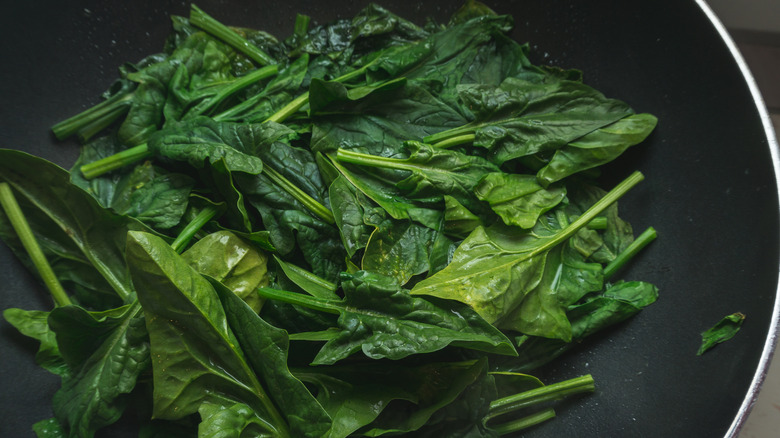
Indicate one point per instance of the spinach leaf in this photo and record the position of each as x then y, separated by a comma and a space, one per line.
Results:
459, 221
518, 199
349, 209
307, 281
365, 398
383, 320
598, 147
616, 304
266, 349
724, 330
433, 171
106, 352
495, 268
565, 280
35, 324
202, 140
182, 308
84, 232
399, 249
228, 259
521, 117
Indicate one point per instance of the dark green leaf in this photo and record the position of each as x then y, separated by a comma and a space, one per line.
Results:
724, 330
598, 147
183, 309
518, 199
106, 353
84, 232
231, 261
34, 324
266, 348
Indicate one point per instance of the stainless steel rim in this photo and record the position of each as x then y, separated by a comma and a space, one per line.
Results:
769, 345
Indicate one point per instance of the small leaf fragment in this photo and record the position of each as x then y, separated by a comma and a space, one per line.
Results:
724, 330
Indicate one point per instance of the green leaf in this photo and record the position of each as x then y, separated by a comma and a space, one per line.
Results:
518, 199
183, 309
266, 348
228, 259
399, 249
616, 304
106, 353
434, 171
566, 279
86, 235
229, 420
158, 200
724, 330
366, 397
349, 207
34, 324
459, 221
49, 428
307, 281
598, 147
202, 140
383, 320
495, 268
521, 117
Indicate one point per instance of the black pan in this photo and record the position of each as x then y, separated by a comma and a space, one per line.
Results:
711, 189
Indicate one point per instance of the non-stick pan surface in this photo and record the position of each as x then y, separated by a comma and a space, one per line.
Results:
710, 189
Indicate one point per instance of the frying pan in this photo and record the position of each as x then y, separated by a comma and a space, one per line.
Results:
710, 190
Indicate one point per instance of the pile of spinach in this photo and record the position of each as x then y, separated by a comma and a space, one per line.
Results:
368, 228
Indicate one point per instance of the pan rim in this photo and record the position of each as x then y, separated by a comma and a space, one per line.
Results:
774, 329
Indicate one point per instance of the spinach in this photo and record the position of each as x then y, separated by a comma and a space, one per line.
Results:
369, 228
381, 319
724, 330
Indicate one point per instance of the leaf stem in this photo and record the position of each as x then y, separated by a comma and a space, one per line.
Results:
94, 118
235, 86
26, 236
116, 161
291, 108
633, 248
362, 159
555, 391
315, 207
193, 227
204, 21
612, 196
310, 302
524, 423
455, 141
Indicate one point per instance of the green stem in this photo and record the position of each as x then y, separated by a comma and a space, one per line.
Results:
239, 108
234, 87
193, 227
611, 197
310, 302
26, 236
556, 391
524, 423
116, 161
96, 117
624, 257
204, 21
455, 141
289, 109
91, 129
301, 25
467, 129
315, 207
297, 103
362, 159
599, 223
